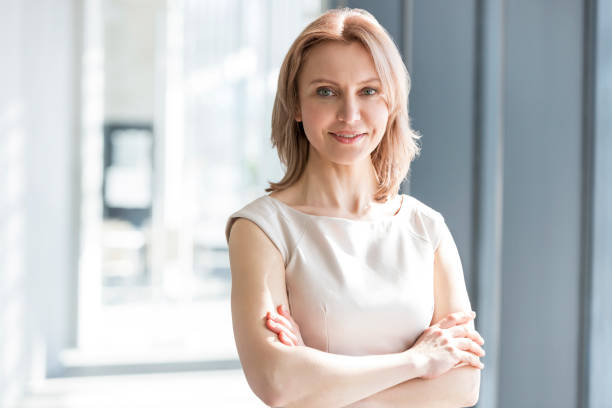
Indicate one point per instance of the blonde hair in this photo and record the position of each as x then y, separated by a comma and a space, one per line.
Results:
398, 147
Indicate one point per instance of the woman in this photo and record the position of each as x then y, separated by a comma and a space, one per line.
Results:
344, 292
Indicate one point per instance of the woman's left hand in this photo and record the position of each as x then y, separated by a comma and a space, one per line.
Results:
284, 326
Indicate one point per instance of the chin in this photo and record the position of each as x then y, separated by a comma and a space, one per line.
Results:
349, 159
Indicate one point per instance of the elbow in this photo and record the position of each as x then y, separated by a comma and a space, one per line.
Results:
266, 391
280, 393
275, 393
273, 397
473, 387
266, 381
265, 387
272, 400
271, 376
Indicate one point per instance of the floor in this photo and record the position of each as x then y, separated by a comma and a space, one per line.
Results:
223, 388
156, 333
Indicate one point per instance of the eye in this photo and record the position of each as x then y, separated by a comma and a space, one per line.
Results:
373, 91
323, 89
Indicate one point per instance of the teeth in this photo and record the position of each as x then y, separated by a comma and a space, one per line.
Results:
347, 136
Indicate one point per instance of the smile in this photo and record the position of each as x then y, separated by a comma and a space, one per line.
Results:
348, 138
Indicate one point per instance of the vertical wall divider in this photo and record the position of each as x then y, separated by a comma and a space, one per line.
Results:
587, 202
488, 189
596, 279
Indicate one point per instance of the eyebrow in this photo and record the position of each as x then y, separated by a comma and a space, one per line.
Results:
335, 83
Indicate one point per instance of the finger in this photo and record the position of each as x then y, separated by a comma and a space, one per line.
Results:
278, 328
282, 320
471, 346
456, 318
292, 328
464, 331
286, 340
477, 335
470, 358
275, 327
285, 313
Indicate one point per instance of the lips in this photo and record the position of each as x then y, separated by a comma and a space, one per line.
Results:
348, 140
348, 132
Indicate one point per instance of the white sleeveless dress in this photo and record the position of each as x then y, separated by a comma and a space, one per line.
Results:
355, 287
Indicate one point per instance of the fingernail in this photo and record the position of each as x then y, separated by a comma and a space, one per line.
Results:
473, 313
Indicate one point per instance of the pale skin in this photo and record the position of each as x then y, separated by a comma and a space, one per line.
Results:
442, 368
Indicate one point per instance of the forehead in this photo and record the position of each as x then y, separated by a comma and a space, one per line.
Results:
339, 62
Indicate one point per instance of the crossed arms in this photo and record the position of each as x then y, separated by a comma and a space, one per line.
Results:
306, 377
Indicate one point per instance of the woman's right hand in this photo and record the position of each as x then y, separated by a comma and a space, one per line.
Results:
448, 343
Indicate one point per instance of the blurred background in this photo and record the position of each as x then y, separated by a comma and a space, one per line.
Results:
131, 129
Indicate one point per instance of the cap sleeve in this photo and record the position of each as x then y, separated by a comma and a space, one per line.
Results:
271, 222
438, 231
428, 223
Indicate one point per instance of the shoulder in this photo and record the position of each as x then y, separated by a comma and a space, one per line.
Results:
257, 210
252, 244
422, 209
265, 213
424, 220
255, 236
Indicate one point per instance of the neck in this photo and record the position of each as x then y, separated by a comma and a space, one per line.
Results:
345, 188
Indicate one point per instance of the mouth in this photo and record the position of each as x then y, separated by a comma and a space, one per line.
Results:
348, 138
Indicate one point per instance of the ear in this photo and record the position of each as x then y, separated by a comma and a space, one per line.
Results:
298, 116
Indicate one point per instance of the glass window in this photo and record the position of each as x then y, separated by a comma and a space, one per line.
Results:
176, 135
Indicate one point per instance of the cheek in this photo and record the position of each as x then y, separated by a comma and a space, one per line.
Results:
378, 115
316, 118
316, 112
379, 111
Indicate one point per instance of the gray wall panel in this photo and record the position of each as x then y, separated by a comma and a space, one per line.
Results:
442, 108
542, 186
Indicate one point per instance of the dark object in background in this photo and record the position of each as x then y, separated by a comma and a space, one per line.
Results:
127, 188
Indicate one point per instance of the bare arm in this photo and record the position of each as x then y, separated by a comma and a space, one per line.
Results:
295, 376
445, 391
458, 387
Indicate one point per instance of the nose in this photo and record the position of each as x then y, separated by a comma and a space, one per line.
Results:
349, 110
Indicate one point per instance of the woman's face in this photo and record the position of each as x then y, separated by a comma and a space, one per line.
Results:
341, 94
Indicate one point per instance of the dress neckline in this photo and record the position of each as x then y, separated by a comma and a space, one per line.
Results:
399, 211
